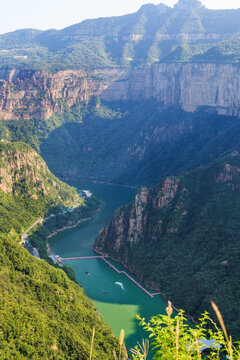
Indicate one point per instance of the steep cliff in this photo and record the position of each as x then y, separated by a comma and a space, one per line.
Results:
23, 172
26, 95
36, 94
186, 85
182, 237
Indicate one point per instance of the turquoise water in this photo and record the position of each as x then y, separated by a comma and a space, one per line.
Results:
118, 304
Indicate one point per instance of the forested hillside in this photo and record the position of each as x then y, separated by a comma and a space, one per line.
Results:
182, 237
28, 190
42, 313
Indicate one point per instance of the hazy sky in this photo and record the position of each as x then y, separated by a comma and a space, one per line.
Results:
46, 14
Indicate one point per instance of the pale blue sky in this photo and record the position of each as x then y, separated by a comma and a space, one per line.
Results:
45, 14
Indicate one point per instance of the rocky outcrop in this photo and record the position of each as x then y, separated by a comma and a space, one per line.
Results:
188, 85
28, 94
131, 223
23, 172
159, 212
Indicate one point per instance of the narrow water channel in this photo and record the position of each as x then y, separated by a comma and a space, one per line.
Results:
115, 296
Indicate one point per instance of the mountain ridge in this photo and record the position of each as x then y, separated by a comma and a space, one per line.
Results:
155, 33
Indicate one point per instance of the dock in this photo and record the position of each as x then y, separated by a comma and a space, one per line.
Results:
114, 268
82, 258
130, 277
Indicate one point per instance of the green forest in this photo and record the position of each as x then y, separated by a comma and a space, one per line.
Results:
43, 314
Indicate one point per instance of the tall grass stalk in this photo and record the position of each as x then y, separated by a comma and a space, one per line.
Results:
173, 338
121, 340
177, 338
92, 342
228, 340
197, 347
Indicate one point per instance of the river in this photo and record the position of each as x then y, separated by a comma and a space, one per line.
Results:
116, 297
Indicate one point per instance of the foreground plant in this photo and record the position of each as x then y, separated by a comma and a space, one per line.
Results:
92, 343
123, 355
174, 339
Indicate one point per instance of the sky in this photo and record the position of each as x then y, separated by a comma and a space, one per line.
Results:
57, 14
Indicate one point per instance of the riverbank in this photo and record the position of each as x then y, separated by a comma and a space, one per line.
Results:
102, 182
67, 228
56, 223
25, 241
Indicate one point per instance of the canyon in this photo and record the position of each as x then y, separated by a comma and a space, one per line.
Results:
181, 237
152, 100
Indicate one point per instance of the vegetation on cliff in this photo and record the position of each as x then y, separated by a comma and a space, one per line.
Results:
182, 237
127, 142
43, 314
28, 190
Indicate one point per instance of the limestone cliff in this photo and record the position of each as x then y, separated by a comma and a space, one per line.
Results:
131, 224
28, 94
188, 85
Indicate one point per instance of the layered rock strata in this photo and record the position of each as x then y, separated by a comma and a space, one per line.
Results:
188, 85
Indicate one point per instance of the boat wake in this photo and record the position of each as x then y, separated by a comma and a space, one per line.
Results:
120, 284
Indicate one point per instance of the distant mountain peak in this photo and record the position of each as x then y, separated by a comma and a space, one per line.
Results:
153, 7
186, 4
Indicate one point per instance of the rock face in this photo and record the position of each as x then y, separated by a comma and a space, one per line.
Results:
146, 217
131, 223
28, 94
24, 172
186, 85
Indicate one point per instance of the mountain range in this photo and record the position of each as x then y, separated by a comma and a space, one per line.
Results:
188, 32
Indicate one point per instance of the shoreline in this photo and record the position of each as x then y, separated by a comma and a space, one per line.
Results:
64, 228
69, 227
102, 182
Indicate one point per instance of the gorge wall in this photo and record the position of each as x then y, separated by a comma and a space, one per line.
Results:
188, 85
28, 94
